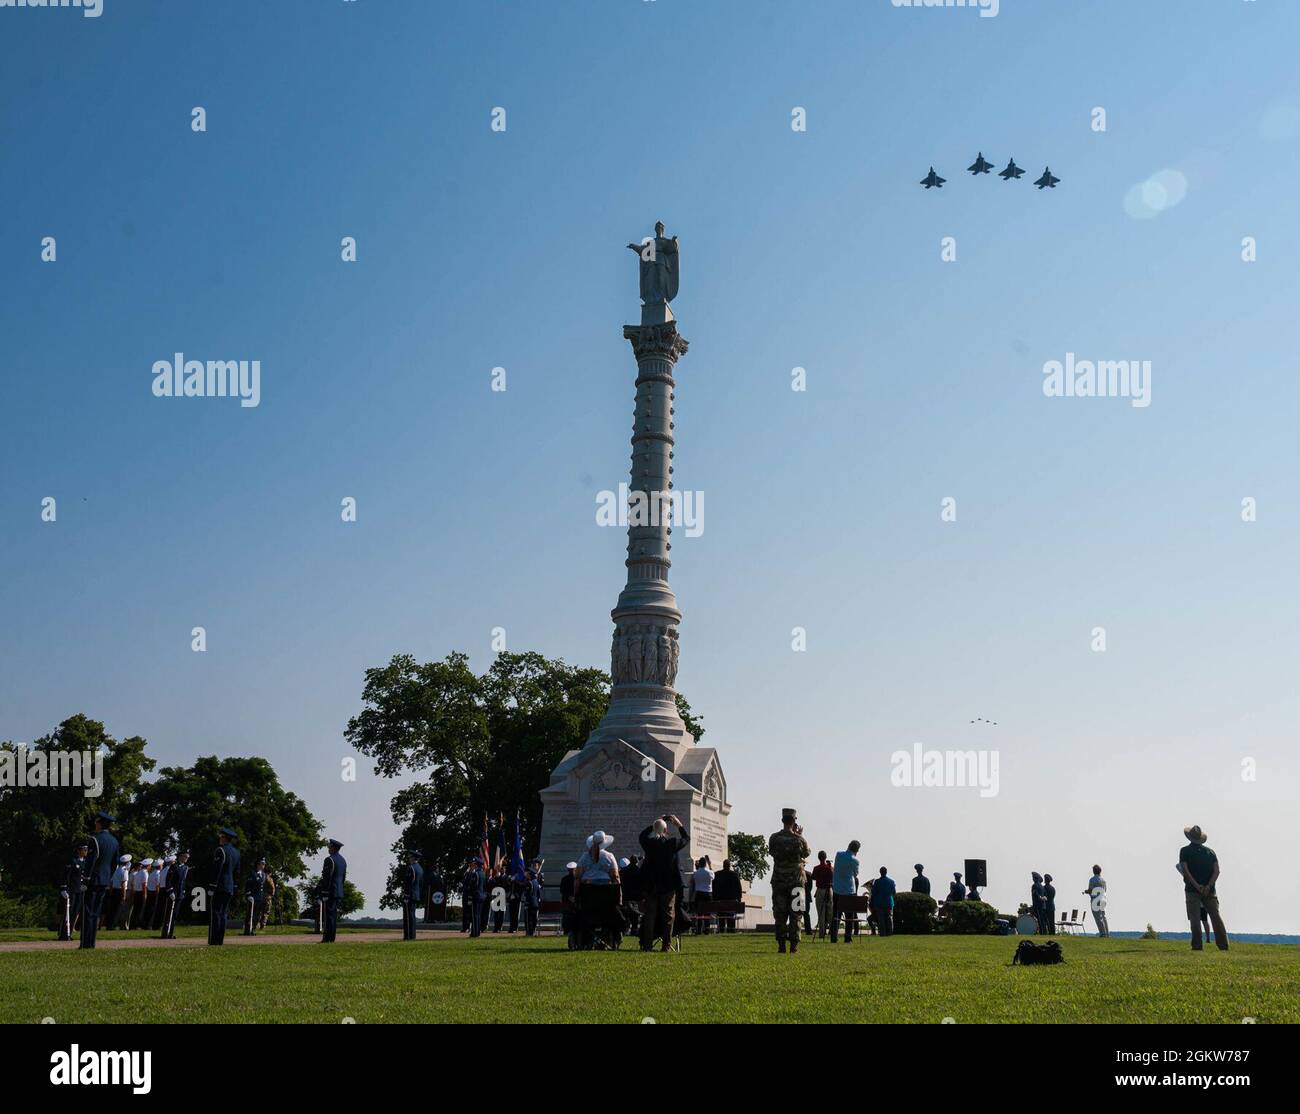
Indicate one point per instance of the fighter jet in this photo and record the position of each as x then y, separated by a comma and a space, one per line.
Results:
932, 179
979, 166
1012, 171
1047, 181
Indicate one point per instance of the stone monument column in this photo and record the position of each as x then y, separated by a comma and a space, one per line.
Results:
641, 762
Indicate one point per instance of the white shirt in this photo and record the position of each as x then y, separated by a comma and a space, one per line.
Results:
138, 879
598, 871
119, 876
703, 880
152, 880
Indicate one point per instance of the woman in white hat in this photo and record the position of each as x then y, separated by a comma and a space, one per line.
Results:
596, 867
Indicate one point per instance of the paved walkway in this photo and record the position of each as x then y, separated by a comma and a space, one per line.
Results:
236, 939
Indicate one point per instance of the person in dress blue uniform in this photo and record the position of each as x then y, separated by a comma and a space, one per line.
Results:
333, 875
225, 864
412, 893
101, 861
256, 898
176, 877
72, 890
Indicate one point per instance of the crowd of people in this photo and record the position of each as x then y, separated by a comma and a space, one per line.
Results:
102, 888
603, 900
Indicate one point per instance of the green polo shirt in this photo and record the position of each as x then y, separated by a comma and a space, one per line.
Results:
1200, 861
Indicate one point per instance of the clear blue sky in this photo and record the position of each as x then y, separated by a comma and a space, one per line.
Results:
819, 250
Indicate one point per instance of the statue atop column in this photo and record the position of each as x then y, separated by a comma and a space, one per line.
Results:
660, 261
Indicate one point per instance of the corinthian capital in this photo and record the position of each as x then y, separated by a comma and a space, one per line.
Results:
656, 340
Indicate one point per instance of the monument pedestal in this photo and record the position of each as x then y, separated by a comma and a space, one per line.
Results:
620, 789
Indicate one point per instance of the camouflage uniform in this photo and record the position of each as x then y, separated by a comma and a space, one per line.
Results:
789, 854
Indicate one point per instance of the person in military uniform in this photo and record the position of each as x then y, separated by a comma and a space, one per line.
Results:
920, 884
103, 848
412, 892
72, 891
119, 887
176, 891
332, 877
435, 890
255, 898
225, 866
789, 851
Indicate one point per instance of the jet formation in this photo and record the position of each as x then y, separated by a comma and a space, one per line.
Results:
981, 165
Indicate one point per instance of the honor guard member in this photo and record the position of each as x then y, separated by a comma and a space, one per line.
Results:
115, 904
176, 876
789, 851
256, 898
104, 850
333, 875
150, 893
436, 895
225, 867
139, 892
72, 891
412, 893
160, 901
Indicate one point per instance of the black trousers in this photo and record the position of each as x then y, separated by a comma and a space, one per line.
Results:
850, 921
657, 911
112, 906
217, 918
514, 911
90, 914
530, 920
331, 926
408, 919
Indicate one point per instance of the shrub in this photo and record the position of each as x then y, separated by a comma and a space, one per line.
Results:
37, 912
969, 918
914, 914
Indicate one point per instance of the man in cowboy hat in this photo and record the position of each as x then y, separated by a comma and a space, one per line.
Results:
789, 851
1199, 867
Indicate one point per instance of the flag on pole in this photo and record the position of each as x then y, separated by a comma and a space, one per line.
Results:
486, 849
518, 869
500, 861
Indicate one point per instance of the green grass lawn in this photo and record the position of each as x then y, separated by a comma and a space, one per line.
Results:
739, 978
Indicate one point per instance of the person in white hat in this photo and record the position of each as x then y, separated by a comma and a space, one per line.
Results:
115, 904
139, 892
596, 867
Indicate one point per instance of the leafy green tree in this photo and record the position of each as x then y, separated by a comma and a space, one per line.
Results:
483, 744
748, 855
187, 806
40, 824
353, 900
